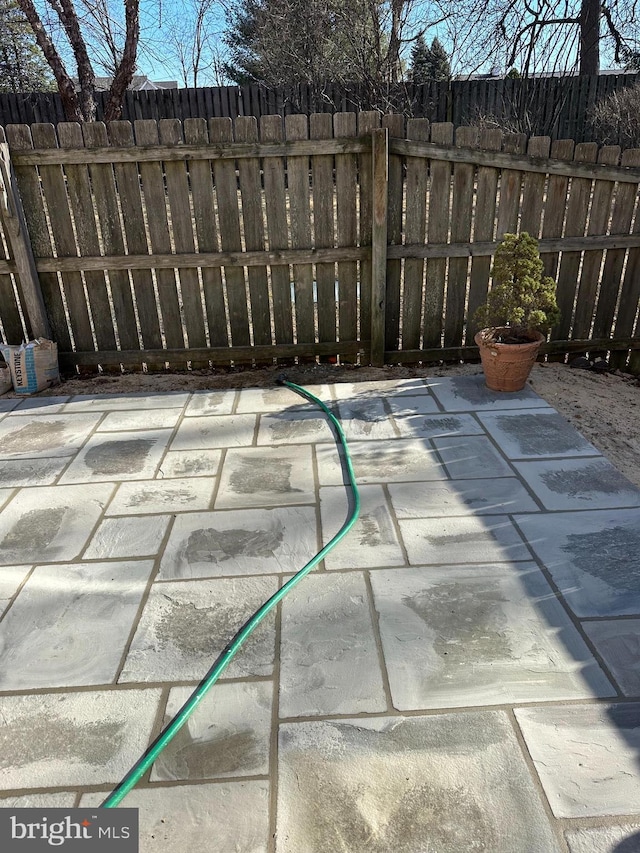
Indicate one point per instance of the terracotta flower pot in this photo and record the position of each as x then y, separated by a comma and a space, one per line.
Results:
507, 366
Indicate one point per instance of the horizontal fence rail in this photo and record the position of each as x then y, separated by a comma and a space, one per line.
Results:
351, 237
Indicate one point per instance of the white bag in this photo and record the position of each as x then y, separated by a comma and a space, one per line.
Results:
33, 366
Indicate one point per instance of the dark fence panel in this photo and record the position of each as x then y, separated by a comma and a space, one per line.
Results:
548, 106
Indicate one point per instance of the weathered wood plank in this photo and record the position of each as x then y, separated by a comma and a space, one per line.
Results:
195, 131
128, 183
438, 232
9, 313
246, 130
461, 210
484, 226
625, 196
84, 216
155, 202
177, 183
19, 138
395, 124
271, 130
220, 130
321, 127
380, 184
533, 186
599, 216
415, 232
296, 127
510, 187
367, 123
555, 205
218, 151
576, 221
53, 186
217, 355
628, 302
344, 125
106, 203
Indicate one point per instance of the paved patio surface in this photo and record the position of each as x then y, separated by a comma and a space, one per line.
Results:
462, 674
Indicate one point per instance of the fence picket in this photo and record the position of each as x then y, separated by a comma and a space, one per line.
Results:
484, 226
461, 210
367, 123
533, 187
246, 130
344, 125
80, 197
438, 232
151, 174
53, 184
128, 184
277, 230
321, 127
395, 123
415, 234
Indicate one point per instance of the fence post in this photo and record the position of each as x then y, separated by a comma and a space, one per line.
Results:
380, 166
20, 243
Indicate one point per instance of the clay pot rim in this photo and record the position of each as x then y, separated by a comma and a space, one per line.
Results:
482, 338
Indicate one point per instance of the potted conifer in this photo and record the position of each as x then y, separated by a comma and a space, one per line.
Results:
520, 307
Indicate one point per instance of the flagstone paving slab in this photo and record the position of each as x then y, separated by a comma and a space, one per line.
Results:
479, 635
125, 402
157, 496
281, 400
189, 463
329, 662
294, 428
31, 472
365, 419
435, 426
579, 484
586, 757
606, 839
593, 557
452, 782
61, 616
387, 389
144, 419
60, 739
404, 406
127, 537
618, 642
529, 435
480, 497
42, 405
471, 457
9, 405
228, 735
205, 403
470, 394
26, 437
204, 433
372, 541
462, 539
39, 801
242, 542
399, 461
186, 625
118, 456
10, 579
235, 815
266, 476
49, 524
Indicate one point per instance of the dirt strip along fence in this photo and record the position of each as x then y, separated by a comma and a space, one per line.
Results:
335, 237
550, 106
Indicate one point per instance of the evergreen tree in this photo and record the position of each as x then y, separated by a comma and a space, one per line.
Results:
420, 61
22, 66
440, 68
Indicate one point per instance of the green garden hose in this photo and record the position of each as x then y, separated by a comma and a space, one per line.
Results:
169, 732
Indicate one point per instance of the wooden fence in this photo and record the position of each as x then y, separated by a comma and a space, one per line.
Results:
549, 106
183, 245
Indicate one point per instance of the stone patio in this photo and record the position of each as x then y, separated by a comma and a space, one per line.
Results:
462, 673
